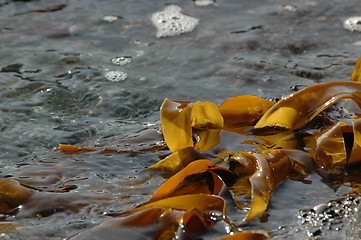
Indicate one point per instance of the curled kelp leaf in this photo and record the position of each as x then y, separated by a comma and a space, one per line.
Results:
206, 115
12, 195
194, 222
269, 168
175, 117
243, 110
200, 176
207, 139
355, 155
203, 202
177, 160
179, 118
296, 110
247, 235
356, 74
339, 146
330, 148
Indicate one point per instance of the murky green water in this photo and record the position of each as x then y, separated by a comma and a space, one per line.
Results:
54, 59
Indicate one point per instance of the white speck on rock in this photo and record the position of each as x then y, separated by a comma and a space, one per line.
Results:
171, 22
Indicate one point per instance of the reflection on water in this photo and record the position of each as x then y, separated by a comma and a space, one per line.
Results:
55, 65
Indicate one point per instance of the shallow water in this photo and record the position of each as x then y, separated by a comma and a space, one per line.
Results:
55, 59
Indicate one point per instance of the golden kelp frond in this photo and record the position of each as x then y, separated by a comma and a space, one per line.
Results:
356, 74
296, 110
338, 146
194, 222
207, 139
270, 168
243, 110
331, 149
355, 156
206, 115
246, 235
71, 148
154, 223
12, 195
279, 140
178, 120
175, 117
203, 202
205, 180
176, 161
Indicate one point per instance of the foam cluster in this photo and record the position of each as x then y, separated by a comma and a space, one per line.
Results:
172, 22
353, 24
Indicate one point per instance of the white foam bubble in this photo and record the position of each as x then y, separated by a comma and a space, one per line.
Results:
122, 60
203, 3
110, 18
172, 22
353, 24
116, 76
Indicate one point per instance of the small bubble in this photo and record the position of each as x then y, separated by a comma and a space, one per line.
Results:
122, 60
203, 3
110, 18
353, 24
289, 7
116, 76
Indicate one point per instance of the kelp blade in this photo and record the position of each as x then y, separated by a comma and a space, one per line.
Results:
243, 110
296, 110
356, 74
331, 149
208, 139
206, 115
176, 161
175, 117
170, 187
12, 194
355, 156
203, 202
270, 168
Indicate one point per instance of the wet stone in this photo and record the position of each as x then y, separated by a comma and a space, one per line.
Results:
172, 22
353, 24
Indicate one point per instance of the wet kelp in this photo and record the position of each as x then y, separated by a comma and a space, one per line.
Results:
204, 178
